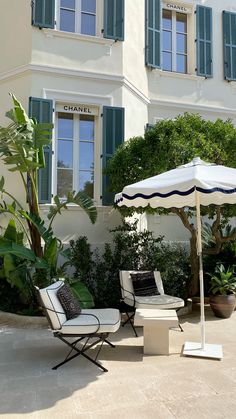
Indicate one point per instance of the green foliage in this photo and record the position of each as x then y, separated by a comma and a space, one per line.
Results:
223, 282
130, 250
226, 256
169, 144
82, 294
22, 145
174, 264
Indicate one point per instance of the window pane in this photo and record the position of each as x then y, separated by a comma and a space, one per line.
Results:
86, 156
181, 43
65, 125
68, 4
181, 65
86, 180
67, 20
89, 6
88, 24
181, 22
166, 20
86, 128
64, 182
65, 154
166, 41
166, 61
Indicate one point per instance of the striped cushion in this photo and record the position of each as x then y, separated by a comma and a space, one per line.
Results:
144, 284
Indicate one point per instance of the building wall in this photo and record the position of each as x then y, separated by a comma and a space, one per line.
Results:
78, 69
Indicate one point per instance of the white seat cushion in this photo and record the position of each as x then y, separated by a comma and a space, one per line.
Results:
109, 319
156, 301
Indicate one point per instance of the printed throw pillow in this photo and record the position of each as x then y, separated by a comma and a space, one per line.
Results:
144, 284
68, 302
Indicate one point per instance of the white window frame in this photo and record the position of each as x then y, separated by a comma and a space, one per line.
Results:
78, 17
173, 41
75, 151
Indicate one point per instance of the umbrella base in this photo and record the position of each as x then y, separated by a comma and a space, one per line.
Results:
210, 351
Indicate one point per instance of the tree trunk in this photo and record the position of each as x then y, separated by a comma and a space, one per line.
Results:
194, 259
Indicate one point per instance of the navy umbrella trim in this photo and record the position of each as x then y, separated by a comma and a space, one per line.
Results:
176, 192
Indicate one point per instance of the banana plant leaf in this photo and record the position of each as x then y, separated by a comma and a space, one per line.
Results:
82, 294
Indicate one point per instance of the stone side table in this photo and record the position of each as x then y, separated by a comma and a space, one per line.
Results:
156, 325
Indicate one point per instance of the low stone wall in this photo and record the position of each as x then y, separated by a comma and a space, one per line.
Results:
24, 322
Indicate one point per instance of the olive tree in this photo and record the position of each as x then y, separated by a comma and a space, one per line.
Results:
171, 143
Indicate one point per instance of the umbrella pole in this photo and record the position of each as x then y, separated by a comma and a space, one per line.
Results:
204, 350
201, 281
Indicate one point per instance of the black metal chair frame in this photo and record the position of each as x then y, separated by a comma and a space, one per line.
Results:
127, 310
86, 346
131, 317
100, 337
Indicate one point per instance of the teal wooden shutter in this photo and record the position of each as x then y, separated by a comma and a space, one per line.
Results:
229, 42
114, 19
204, 41
113, 136
43, 13
153, 33
42, 110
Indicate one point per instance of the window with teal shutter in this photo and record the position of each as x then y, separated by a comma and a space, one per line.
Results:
229, 42
41, 110
114, 19
153, 33
43, 13
204, 41
113, 136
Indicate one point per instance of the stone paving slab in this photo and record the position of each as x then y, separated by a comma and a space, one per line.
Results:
135, 387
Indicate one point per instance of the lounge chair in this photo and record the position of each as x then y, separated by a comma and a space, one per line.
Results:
95, 324
130, 301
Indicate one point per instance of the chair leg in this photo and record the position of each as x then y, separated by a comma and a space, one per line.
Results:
81, 351
129, 319
182, 330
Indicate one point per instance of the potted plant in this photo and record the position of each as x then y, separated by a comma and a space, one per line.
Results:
222, 291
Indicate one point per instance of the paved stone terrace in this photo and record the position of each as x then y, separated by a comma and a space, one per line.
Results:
135, 387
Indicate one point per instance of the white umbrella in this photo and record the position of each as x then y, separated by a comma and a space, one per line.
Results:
191, 185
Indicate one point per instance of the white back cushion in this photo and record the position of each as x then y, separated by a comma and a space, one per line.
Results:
127, 285
51, 302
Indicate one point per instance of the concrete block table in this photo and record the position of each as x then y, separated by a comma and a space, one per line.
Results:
156, 325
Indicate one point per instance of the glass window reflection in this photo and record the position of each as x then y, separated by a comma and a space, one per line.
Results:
67, 20
89, 6
65, 154
65, 125
88, 24
86, 156
86, 128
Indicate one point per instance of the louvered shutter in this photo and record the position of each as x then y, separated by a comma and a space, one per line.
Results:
114, 19
229, 42
113, 136
41, 110
204, 41
153, 33
43, 13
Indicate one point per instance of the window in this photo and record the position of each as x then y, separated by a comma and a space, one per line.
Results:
174, 41
78, 16
75, 153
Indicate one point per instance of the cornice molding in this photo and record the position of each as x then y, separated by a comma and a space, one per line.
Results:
115, 79
192, 106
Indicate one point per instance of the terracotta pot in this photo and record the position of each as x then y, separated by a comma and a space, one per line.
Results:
223, 305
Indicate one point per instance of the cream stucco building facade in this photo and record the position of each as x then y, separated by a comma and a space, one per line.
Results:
128, 62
